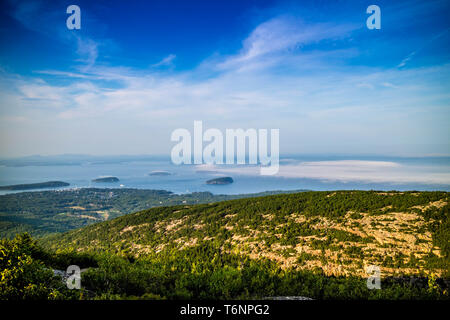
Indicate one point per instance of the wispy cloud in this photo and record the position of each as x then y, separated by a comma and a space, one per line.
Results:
273, 76
407, 58
410, 56
41, 17
167, 61
278, 37
87, 49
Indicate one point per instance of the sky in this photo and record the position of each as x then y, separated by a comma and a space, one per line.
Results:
138, 70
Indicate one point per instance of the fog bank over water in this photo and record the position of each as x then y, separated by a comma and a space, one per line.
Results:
357, 171
312, 172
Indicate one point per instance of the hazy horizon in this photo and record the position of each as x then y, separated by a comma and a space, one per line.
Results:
313, 172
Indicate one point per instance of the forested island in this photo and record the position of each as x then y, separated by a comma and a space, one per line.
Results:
159, 173
221, 180
39, 185
106, 179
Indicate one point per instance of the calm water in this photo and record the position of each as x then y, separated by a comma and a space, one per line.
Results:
380, 173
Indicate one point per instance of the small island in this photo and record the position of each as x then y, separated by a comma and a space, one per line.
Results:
159, 173
221, 181
206, 171
39, 185
106, 179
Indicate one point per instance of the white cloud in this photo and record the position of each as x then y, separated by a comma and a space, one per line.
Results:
406, 59
389, 85
280, 36
88, 51
167, 61
310, 100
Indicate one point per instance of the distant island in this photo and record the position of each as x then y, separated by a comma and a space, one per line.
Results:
159, 173
39, 185
106, 179
222, 180
205, 171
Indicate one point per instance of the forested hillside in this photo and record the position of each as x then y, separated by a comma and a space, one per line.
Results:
337, 232
312, 244
44, 212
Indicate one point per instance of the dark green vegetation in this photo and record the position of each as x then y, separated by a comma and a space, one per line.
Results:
40, 185
25, 271
202, 272
106, 179
221, 180
44, 212
159, 173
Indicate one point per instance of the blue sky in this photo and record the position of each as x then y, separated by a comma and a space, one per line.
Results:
137, 70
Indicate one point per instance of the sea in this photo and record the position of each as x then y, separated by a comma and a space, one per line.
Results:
296, 172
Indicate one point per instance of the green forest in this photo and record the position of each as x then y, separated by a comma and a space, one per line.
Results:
45, 212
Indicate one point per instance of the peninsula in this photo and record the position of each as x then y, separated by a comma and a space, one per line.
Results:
39, 185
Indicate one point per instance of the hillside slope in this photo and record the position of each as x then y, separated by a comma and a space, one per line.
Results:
404, 233
44, 212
